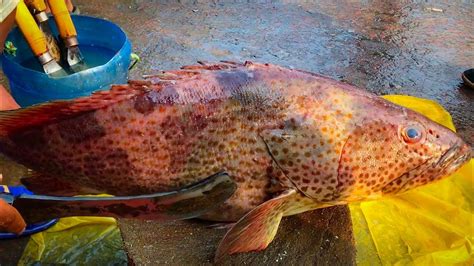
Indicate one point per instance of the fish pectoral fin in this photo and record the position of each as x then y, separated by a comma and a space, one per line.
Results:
49, 185
256, 230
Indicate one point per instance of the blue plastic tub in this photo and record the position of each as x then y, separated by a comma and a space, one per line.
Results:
30, 86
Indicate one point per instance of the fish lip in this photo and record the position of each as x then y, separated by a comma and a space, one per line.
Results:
465, 155
447, 156
456, 155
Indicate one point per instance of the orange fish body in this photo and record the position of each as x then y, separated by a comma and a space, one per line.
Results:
292, 140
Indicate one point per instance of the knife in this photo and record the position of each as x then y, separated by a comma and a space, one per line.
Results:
185, 203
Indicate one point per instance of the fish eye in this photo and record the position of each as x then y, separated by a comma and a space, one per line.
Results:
412, 134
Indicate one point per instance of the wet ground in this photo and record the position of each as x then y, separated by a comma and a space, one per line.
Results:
417, 48
322, 237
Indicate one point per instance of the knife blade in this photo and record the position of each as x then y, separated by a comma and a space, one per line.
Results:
185, 203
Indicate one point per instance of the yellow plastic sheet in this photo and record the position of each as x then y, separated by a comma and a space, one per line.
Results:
77, 241
431, 225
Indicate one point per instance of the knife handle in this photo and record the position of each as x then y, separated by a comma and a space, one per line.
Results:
62, 18
30, 30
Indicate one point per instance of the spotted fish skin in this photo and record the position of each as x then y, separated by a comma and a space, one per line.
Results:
270, 128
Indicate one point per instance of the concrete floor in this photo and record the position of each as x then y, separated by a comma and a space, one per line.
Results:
412, 47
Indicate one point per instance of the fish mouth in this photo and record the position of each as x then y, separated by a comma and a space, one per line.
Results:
454, 157
448, 162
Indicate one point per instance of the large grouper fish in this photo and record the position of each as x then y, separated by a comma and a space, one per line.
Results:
293, 141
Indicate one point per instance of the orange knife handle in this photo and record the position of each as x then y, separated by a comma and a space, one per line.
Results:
38, 5
62, 18
30, 30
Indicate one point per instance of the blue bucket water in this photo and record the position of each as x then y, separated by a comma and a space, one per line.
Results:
30, 86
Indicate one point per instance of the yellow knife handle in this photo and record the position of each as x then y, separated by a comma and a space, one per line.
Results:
62, 18
38, 5
33, 35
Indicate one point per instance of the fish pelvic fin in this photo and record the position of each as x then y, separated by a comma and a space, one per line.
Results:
256, 230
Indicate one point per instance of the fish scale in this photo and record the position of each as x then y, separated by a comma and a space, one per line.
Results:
292, 141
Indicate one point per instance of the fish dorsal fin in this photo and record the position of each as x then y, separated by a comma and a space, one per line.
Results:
189, 71
257, 228
11, 121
